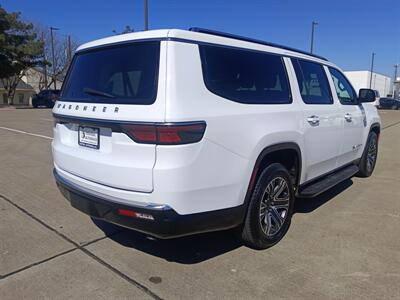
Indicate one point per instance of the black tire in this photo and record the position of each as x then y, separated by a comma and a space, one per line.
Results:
256, 232
370, 154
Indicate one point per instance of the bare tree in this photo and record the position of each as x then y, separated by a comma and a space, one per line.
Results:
64, 48
128, 29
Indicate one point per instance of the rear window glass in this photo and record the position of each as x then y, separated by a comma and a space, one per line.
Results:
245, 76
123, 74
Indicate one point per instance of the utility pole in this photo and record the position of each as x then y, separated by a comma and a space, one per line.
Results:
44, 62
313, 24
372, 69
54, 59
146, 15
394, 80
69, 51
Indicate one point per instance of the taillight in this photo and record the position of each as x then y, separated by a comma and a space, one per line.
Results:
166, 134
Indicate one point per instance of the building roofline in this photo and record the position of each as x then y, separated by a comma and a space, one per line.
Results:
369, 71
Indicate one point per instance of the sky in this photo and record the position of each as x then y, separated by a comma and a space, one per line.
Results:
347, 33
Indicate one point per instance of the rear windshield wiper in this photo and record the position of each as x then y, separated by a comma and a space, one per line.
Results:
90, 91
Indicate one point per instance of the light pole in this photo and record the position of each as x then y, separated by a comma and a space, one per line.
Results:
313, 24
44, 62
69, 49
52, 53
372, 69
394, 80
146, 15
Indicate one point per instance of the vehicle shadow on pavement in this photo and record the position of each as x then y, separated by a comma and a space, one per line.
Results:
185, 250
201, 247
307, 205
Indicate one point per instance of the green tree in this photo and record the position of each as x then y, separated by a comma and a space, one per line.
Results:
19, 50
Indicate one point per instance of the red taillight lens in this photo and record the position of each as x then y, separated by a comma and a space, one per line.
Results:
141, 133
166, 134
127, 213
170, 134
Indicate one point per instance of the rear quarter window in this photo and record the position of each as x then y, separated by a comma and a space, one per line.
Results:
124, 74
245, 76
313, 83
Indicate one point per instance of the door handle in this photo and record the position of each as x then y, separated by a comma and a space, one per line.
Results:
348, 117
313, 120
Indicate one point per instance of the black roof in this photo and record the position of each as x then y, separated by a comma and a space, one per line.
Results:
247, 39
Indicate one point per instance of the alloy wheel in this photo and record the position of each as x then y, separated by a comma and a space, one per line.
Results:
274, 206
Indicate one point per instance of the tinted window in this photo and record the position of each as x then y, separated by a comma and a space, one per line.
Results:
245, 76
313, 84
344, 90
386, 101
127, 73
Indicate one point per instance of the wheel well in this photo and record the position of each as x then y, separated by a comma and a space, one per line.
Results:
376, 129
287, 157
287, 154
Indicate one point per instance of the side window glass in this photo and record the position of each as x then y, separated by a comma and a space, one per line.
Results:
344, 90
245, 76
313, 84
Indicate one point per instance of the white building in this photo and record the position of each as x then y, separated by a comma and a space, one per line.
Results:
361, 79
35, 78
22, 97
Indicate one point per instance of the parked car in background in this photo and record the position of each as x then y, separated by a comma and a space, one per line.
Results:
389, 103
45, 98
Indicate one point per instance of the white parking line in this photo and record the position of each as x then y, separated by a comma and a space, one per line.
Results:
27, 133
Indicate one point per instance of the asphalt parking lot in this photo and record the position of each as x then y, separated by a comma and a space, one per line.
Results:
344, 244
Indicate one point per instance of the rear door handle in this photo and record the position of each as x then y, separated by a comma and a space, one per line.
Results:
313, 120
348, 117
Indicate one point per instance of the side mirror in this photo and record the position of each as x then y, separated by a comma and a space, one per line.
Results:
366, 95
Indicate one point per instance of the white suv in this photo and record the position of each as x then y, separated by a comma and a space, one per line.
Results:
174, 132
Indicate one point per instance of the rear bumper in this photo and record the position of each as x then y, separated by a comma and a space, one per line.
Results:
165, 222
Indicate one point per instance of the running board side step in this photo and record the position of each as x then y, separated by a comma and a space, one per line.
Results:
315, 188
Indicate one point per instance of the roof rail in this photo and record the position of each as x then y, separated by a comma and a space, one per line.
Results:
243, 38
